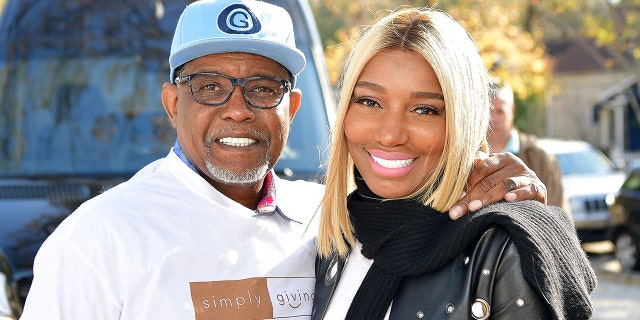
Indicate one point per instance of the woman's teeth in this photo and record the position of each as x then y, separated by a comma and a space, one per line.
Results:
392, 164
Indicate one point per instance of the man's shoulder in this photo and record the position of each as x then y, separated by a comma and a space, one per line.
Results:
529, 145
527, 140
299, 199
298, 186
129, 193
299, 191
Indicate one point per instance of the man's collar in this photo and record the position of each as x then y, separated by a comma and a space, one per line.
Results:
177, 149
267, 205
513, 144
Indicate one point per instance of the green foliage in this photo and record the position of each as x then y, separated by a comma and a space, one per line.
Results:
511, 53
510, 35
611, 24
530, 116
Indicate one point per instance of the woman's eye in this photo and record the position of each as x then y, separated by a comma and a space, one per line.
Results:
427, 110
366, 102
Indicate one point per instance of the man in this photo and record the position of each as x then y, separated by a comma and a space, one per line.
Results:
503, 137
200, 234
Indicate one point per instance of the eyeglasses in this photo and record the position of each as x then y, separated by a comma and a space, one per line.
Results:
214, 89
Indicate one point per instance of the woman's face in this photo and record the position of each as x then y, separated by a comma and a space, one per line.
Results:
395, 123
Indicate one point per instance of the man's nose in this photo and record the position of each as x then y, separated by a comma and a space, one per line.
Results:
237, 108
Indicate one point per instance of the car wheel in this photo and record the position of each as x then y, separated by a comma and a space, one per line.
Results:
626, 251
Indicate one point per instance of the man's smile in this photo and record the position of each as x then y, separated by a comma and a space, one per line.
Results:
237, 142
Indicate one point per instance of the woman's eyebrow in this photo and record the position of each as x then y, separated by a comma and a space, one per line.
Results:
428, 95
423, 95
371, 86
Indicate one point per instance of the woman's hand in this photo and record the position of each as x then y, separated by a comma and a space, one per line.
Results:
495, 177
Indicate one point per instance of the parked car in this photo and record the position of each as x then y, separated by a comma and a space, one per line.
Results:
625, 223
81, 112
589, 181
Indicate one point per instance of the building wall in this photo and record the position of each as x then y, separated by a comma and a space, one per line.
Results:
570, 111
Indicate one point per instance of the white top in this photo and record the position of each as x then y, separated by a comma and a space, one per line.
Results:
354, 271
167, 245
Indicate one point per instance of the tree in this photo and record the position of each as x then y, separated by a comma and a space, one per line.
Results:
512, 53
613, 25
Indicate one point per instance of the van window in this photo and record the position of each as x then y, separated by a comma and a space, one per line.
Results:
80, 89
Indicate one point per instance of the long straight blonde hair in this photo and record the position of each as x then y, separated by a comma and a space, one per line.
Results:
465, 83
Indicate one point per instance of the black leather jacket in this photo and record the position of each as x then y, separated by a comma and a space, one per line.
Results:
485, 282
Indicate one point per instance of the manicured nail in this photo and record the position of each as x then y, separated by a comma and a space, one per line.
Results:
475, 205
455, 212
510, 196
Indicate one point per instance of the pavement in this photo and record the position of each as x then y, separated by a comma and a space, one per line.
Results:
617, 296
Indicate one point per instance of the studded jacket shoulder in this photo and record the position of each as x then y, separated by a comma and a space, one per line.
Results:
485, 282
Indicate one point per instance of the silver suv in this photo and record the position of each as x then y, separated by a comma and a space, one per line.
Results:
590, 182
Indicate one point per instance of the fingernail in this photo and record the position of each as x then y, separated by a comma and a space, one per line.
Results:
475, 205
455, 212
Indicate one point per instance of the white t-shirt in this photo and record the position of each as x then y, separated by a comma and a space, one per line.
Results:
167, 245
353, 273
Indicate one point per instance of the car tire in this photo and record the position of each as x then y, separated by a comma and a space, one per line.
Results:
627, 250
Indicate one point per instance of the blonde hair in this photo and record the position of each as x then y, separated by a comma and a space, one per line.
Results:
464, 79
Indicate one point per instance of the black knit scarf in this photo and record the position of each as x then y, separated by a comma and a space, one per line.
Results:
405, 238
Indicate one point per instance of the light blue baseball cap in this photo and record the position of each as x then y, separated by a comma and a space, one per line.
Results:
219, 26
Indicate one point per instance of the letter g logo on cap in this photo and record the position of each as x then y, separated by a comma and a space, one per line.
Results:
238, 19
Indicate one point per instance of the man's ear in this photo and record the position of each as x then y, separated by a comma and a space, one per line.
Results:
295, 97
170, 101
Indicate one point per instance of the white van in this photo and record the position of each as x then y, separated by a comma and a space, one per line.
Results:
590, 181
80, 111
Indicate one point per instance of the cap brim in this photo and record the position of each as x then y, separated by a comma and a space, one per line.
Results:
291, 58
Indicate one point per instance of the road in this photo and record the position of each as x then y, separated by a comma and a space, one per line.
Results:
617, 296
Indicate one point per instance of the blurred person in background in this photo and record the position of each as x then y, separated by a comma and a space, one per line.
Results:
504, 137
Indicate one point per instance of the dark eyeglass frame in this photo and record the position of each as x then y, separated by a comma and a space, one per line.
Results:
286, 87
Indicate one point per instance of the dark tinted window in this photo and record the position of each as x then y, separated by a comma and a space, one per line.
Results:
80, 89
632, 182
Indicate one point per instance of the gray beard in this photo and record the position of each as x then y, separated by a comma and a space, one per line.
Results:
248, 176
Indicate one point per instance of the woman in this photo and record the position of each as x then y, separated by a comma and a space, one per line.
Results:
414, 110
